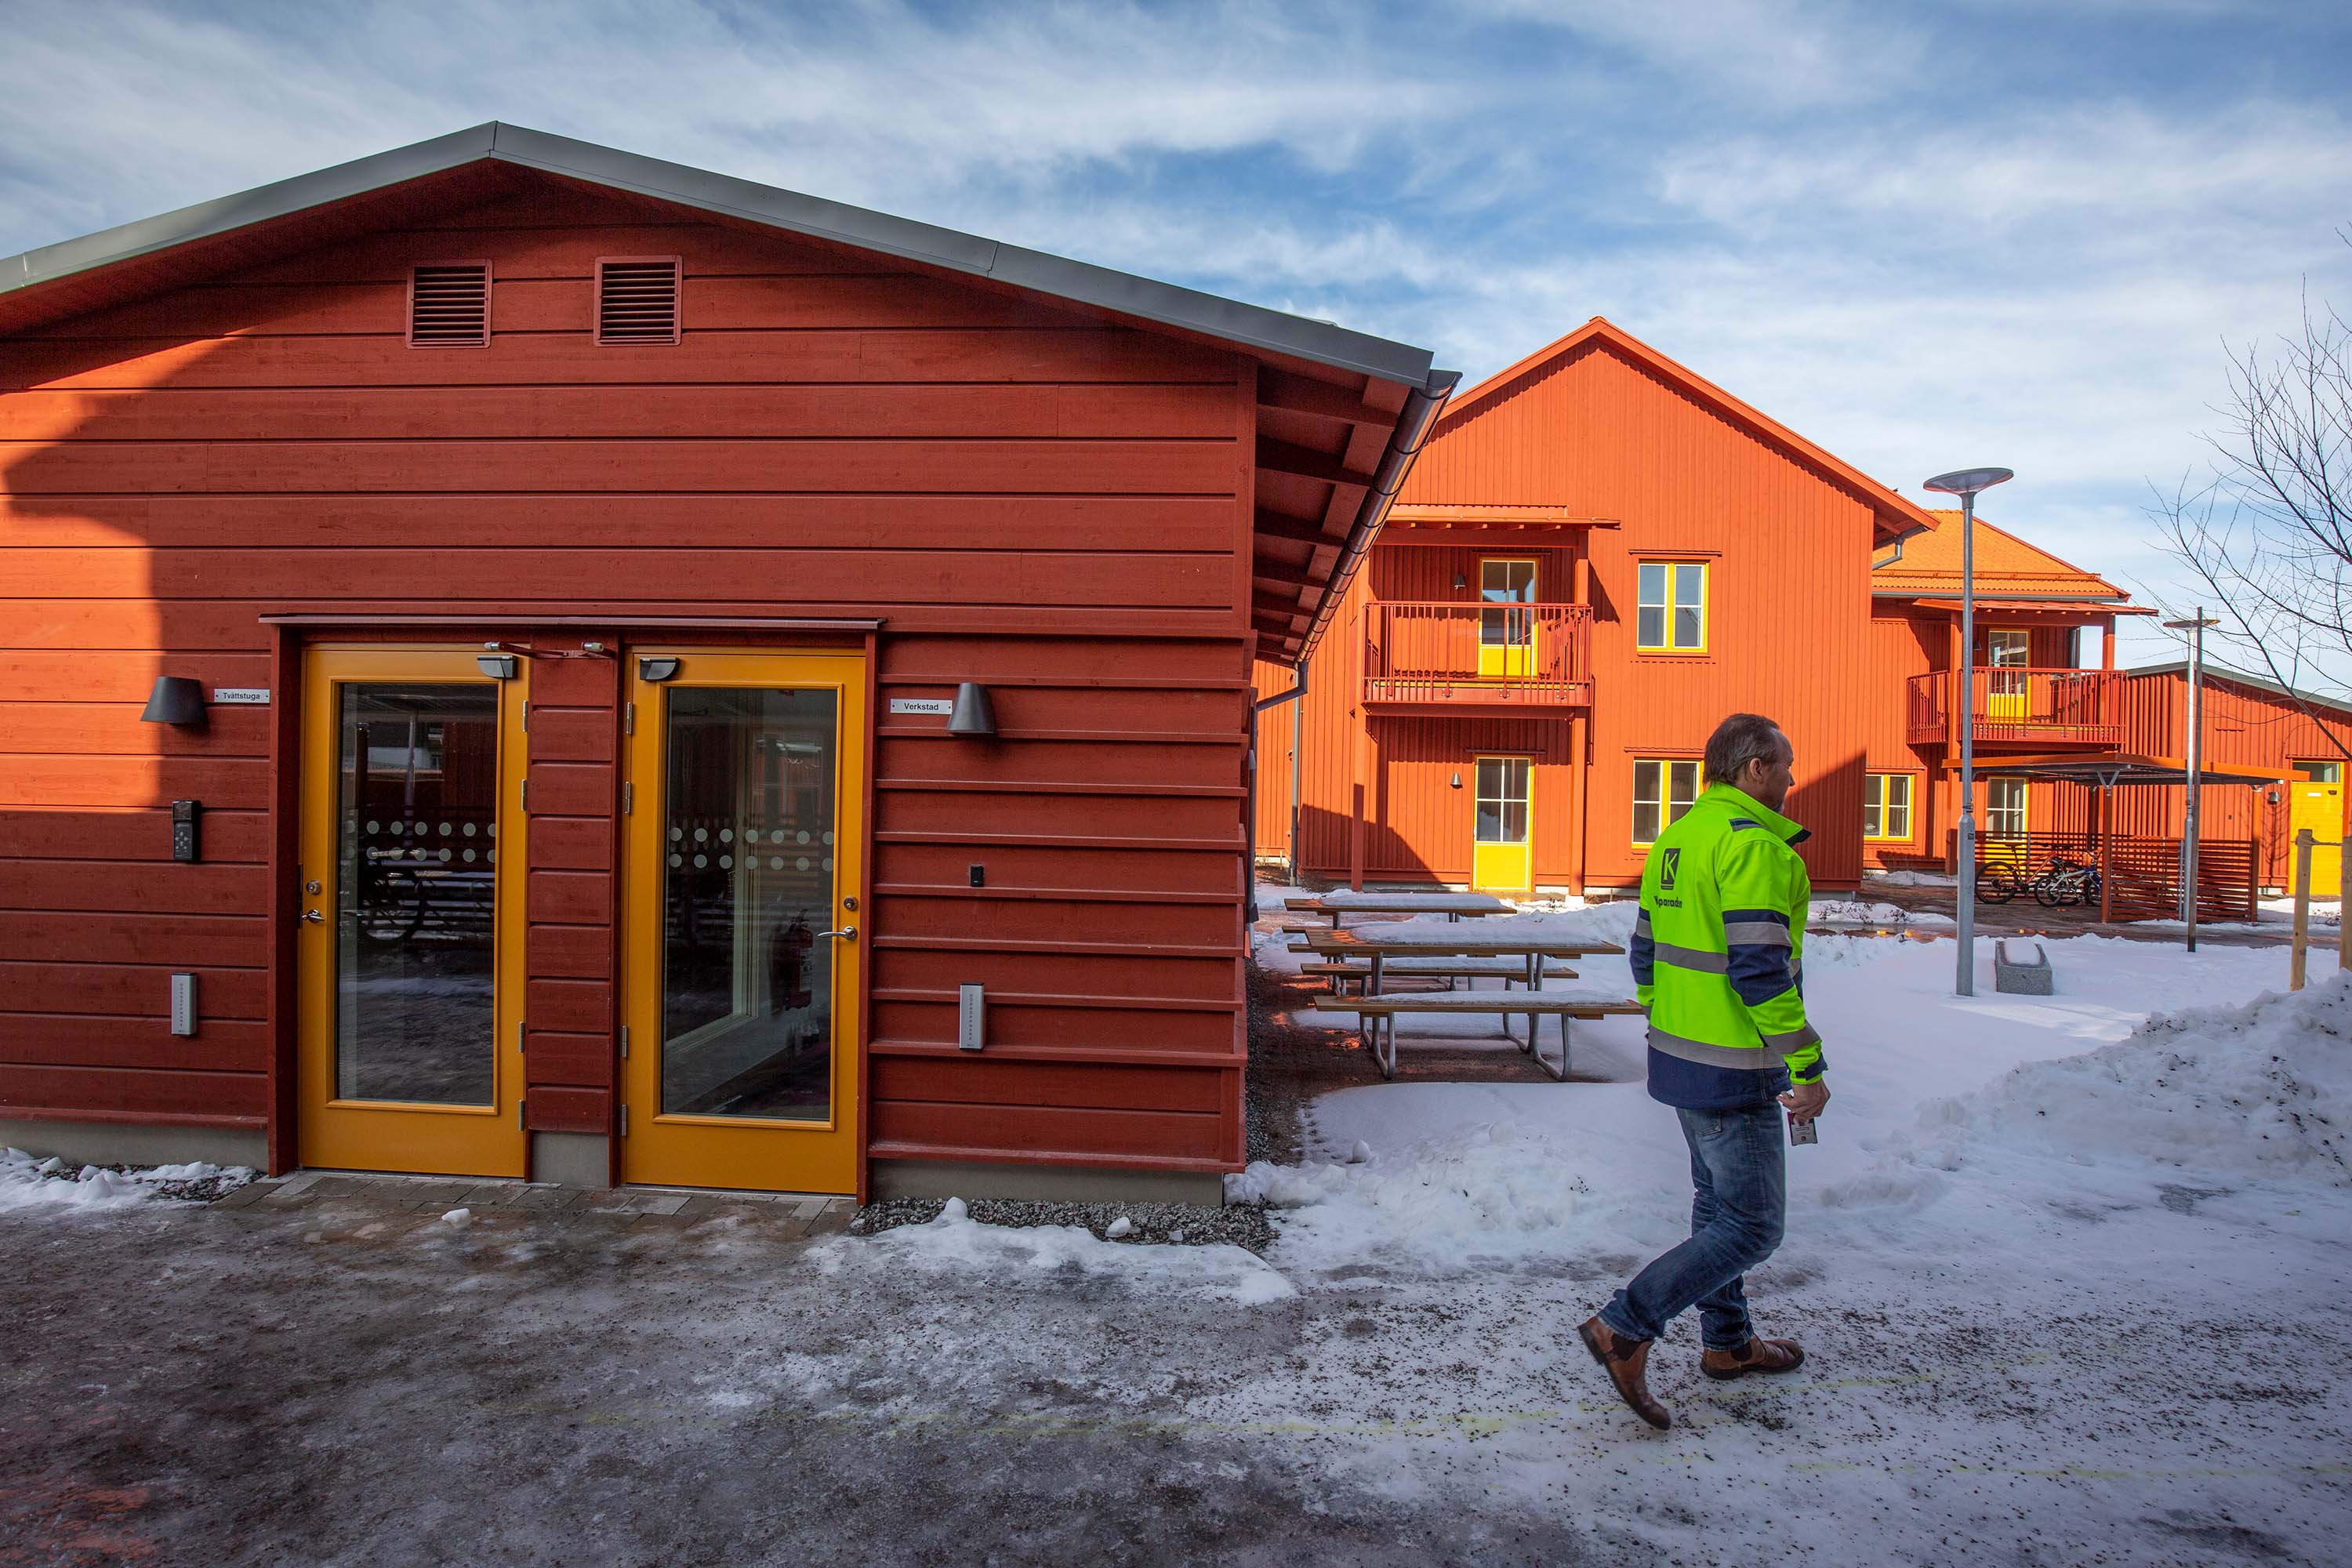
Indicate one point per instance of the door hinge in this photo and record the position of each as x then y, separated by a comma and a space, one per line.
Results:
628, 798
526, 716
628, 718
519, 1105
625, 1042
526, 794
625, 1122
522, 1041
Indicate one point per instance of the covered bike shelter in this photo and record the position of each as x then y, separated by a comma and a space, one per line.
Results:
2107, 772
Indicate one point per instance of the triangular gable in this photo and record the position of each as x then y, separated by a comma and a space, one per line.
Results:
1897, 517
1929, 564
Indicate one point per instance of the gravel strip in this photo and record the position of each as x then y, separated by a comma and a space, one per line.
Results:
1180, 1224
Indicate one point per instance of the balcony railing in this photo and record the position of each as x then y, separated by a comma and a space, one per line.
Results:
1478, 655
2042, 707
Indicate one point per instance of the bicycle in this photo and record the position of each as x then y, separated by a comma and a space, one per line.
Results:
2065, 883
1996, 884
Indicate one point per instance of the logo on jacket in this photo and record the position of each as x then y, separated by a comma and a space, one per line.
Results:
1670, 863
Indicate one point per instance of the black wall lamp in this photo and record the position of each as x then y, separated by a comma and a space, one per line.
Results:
651, 667
1460, 581
974, 714
176, 700
496, 666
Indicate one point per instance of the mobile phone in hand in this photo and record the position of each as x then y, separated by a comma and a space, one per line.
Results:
1802, 1131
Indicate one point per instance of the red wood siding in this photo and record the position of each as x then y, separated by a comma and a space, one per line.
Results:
1032, 498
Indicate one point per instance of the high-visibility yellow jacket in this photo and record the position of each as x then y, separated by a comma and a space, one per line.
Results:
1718, 955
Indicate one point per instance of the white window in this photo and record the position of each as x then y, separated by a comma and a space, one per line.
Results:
1506, 583
2005, 809
1503, 800
1664, 788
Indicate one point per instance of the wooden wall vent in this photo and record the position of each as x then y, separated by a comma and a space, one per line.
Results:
449, 305
636, 298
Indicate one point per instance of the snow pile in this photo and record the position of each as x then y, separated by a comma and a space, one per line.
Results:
2261, 1089
28, 1182
1866, 913
1498, 1190
1057, 1256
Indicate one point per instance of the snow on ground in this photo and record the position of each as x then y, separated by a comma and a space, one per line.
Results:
30, 1182
2072, 1282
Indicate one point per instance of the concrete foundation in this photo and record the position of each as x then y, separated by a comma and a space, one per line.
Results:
1044, 1184
572, 1159
112, 1144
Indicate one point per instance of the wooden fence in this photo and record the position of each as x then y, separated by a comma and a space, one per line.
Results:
2143, 874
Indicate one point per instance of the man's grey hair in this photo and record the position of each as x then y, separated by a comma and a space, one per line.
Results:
1742, 739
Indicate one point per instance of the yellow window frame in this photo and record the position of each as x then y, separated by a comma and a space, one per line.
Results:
1877, 790
1676, 572
1667, 815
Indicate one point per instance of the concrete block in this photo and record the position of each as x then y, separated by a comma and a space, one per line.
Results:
2019, 976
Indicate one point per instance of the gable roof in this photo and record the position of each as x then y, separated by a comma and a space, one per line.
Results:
2006, 567
1365, 436
1898, 517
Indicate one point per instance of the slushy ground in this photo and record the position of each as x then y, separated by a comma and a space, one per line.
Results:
2074, 1285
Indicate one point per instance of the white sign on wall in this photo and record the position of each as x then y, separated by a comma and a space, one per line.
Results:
247, 695
921, 705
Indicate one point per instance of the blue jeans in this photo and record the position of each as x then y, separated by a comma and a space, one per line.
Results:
1740, 1201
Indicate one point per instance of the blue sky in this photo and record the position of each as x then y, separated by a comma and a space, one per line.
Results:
1926, 236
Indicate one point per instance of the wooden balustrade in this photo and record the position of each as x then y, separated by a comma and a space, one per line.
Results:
1453, 656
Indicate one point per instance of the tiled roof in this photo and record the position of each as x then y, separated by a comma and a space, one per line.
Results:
2005, 565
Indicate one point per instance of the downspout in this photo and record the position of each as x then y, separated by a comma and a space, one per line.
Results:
1249, 837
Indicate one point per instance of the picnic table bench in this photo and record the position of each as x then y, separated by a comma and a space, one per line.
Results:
1529, 952
1376, 1017
1507, 968
1453, 906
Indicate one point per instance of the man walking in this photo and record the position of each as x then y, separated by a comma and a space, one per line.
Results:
1717, 953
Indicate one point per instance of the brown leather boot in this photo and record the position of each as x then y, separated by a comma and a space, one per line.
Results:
1626, 1362
1756, 1355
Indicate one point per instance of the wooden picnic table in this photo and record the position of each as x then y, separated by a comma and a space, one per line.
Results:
1453, 906
1487, 942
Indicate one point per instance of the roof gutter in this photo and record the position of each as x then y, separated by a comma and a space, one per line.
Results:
1414, 422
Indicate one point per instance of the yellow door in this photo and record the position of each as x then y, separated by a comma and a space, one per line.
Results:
2007, 697
409, 954
2318, 804
742, 940
1502, 850
1507, 635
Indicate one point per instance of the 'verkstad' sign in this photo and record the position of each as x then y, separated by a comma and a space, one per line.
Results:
921, 705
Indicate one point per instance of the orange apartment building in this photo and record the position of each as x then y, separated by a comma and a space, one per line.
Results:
1598, 555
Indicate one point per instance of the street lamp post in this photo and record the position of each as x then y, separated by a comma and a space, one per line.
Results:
2195, 627
1967, 484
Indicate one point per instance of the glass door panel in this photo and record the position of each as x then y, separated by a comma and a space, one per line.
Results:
408, 946
1501, 837
742, 959
415, 905
748, 867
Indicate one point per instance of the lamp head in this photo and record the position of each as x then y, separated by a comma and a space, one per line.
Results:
1969, 481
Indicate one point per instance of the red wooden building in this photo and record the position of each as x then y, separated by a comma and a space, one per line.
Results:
2027, 694
561, 566
1599, 555
2301, 738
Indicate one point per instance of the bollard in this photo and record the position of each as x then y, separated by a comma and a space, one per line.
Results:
2298, 948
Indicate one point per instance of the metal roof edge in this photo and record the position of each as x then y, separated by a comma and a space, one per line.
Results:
1250, 326
224, 215
2260, 682
1415, 422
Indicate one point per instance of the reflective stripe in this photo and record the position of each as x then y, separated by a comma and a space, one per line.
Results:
1752, 1059
1757, 933
1794, 1040
1641, 920
1740, 822
1691, 958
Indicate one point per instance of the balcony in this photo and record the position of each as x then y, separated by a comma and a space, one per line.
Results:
1477, 658
2016, 705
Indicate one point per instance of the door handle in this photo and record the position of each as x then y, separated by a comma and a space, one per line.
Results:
312, 916
846, 934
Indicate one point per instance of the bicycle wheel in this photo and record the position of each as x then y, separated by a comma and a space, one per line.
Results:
393, 908
1995, 884
2050, 890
